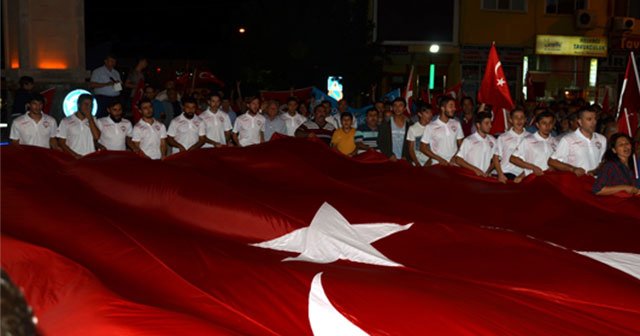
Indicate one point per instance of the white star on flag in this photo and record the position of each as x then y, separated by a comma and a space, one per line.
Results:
331, 237
501, 81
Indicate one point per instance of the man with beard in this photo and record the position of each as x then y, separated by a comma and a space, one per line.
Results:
149, 135
186, 131
477, 150
217, 124
115, 132
318, 127
292, 118
532, 154
443, 136
249, 127
507, 144
581, 151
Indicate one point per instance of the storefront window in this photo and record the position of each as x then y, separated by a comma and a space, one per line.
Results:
564, 6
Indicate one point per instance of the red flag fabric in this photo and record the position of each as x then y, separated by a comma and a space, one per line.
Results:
282, 96
629, 99
135, 111
159, 253
206, 77
408, 92
183, 79
455, 92
48, 95
494, 91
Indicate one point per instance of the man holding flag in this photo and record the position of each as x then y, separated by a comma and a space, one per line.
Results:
494, 91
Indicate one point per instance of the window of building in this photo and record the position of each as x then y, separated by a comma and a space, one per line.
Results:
564, 6
505, 5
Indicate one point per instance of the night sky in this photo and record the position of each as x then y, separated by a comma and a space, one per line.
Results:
287, 43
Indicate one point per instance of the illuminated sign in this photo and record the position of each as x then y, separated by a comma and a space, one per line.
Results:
334, 87
70, 103
571, 45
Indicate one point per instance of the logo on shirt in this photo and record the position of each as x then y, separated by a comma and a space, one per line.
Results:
259, 123
491, 144
454, 128
221, 119
45, 124
123, 128
157, 127
598, 145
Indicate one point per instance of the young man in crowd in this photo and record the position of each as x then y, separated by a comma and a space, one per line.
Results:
34, 128
217, 123
318, 127
507, 144
186, 131
467, 118
532, 154
367, 134
78, 132
249, 127
477, 150
344, 137
414, 135
392, 133
149, 135
580, 152
106, 84
443, 136
292, 118
115, 131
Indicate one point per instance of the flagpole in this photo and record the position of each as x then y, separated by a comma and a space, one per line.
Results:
633, 157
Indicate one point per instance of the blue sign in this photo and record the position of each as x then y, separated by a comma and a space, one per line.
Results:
70, 103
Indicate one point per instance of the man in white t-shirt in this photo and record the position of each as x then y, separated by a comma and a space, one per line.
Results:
532, 154
443, 136
580, 152
149, 135
507, 144
217, 123
77, 133
477, 150
115, 132
414, 135
186, 131
249, 127
34, 128
291, 117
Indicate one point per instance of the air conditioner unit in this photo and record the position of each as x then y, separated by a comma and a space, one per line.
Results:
621, 23
585, 19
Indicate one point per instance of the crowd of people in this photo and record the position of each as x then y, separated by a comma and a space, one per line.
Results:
561, 138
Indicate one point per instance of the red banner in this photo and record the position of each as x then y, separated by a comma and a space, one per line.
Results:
297, 239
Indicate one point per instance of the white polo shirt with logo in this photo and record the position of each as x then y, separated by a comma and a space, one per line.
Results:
575, 149
507, 144
186, 131
29, 132
292, 122
113, 135
215, 125
248, 128
478, 151
442, 137
77, 134
149, 136
536, 150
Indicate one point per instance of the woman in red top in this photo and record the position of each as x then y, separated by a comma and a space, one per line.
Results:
617, 173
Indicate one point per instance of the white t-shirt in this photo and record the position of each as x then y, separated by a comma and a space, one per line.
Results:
575, 149
248, 128
113, 135
507, 144
414, 134
215, 125
292, 122
186, 131
443, 137
149, 136
77, 134
536, 150
478, 151
29, 132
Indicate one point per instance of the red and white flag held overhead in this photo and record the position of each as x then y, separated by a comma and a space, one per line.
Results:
629, 100
494, 91
408, 93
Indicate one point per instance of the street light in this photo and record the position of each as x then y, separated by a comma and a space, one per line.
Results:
434, 48
241, 30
